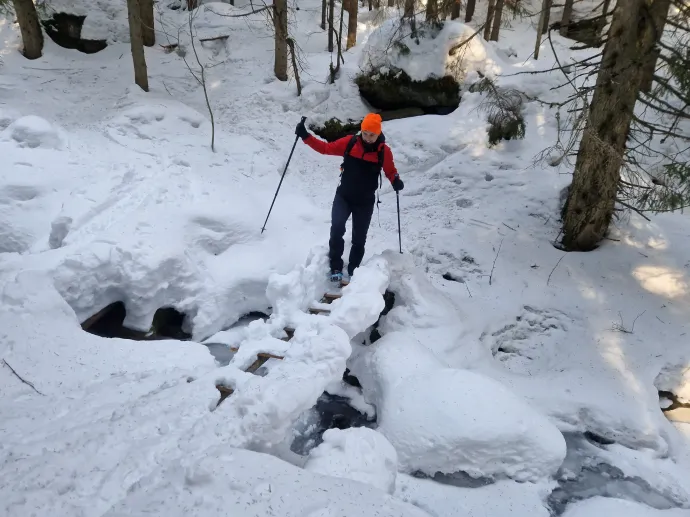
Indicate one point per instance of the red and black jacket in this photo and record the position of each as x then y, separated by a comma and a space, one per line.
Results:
362, 165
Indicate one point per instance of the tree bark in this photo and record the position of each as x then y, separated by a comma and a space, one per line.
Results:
498, 14
141, 76
324, 10
32, 35
540, 28
148, 32
331, 28
469, 12
432, 10
408, 13
592, 195
489, 19
280, 26
192, 4
547, 16
353, 8
565, 19
295, 68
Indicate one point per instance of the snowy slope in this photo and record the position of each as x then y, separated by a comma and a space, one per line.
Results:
111, 194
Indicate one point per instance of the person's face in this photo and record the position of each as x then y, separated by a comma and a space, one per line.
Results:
369, 137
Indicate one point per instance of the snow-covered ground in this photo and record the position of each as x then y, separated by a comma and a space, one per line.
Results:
524, 385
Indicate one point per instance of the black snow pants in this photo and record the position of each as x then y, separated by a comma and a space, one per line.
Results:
361, 217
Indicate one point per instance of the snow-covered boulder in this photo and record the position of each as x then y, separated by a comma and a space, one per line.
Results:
423, 71
360, 454
32, 131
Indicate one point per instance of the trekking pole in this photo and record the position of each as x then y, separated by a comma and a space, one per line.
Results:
281, 179
397, 198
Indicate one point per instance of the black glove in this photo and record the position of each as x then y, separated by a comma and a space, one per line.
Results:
301, 131
398, 184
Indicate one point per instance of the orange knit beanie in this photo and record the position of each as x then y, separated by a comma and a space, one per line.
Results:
372, 123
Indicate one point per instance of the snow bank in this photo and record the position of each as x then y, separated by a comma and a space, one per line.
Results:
360, 454
387, 48
34, 132
676, 379
227, 481
611, 507
452, 420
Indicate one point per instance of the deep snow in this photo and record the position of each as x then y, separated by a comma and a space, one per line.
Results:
111, 194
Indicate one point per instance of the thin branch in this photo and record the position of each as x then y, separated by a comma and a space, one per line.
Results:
491, 275
265, 8
554, 268
21, 378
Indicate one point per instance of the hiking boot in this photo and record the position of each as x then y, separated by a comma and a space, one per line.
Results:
336, 276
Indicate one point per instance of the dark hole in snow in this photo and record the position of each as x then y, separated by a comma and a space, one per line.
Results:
585, 474
351, 379
330, 412
65, 30
389, 303
451, 277
457, 479
108, 322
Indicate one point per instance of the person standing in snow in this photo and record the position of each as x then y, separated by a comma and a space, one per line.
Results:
364, 156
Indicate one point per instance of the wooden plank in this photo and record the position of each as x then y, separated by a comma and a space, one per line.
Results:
269, 356
225, 392
330, 297
314, 310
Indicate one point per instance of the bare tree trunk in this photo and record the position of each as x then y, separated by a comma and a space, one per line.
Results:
567, 15
148, 33
469, 12
546, 6
648, 70
32, 35
141, 76
295, 68
391, 3
280, 66
455, 10
489, 19
498, 14
408, 13
540, 28
324, 10
331, 28
432, 10
192, 4
592, 195
353, 8
371, 4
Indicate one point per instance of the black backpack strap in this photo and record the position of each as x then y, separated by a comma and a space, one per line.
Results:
350, 145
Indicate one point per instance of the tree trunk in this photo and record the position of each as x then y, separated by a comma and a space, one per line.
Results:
32, 35
148, 32
324, 10
455, 10
353, 8
469, 12
408, 13
280, 26
391, 3
648, 70
489, 19
331, 28
567, 15
591, 198
498, 14
540, 28
371, 4
192, 4
295, 68
547, 16
141, 76
432, 10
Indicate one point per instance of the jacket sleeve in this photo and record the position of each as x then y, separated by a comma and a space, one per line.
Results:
388, 164
336, 148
